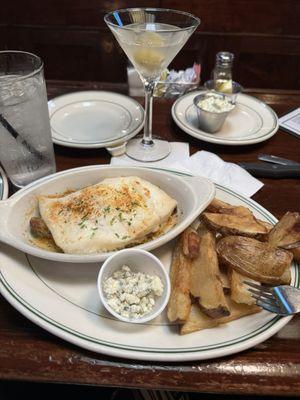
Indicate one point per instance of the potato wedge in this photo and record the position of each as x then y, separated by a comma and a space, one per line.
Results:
257, 260
287, 231
198, 321
220, 207
179, 305
239, 290
286, 277
296, 253
234, 224
266, 224
206, 284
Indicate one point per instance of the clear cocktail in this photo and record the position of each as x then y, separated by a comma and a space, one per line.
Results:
151, 38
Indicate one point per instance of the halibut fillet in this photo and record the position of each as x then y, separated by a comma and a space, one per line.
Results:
110, 215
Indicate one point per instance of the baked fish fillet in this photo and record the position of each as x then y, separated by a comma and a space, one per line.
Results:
110, 215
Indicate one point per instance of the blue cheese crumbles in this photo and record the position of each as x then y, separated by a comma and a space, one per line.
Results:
132, 294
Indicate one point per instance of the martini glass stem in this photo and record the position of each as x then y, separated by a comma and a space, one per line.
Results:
149, 89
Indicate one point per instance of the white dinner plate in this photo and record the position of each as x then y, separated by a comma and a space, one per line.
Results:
62, 298
94, 119
3, 185
252, 121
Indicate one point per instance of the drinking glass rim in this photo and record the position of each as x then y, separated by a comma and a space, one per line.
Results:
22, 77
196, 20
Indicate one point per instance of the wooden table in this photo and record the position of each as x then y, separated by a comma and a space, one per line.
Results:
28, 353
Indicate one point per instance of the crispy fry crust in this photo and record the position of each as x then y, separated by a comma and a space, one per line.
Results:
227, 224
220, 207
239, 290
190, 243
225, 279
198, 321
180, 301
206, 284
286, 233
296, 253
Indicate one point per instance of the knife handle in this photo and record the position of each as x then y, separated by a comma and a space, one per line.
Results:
274, 171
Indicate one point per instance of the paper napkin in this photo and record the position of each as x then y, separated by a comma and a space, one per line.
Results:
179, 151
202, 163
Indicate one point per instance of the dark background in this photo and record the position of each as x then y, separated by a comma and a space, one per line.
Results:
75, 44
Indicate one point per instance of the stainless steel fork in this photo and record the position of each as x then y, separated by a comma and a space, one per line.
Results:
281, 300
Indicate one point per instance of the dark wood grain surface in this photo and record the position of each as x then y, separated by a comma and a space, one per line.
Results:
71, 37
28, 353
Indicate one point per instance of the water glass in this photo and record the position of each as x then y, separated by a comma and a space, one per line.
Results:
26, 148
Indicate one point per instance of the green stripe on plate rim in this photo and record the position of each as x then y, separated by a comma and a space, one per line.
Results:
79, 335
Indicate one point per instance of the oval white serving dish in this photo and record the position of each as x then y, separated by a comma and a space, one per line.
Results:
193, 194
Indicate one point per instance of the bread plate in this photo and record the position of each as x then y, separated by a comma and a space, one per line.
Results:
192, 194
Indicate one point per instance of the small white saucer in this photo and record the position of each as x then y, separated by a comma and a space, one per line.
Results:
94, 119
252, 121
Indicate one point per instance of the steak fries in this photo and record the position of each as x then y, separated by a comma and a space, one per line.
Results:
210, 264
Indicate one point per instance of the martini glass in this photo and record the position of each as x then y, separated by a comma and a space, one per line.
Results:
151, 38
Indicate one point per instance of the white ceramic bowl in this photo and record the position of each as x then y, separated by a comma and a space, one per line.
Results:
139, 261
193, 194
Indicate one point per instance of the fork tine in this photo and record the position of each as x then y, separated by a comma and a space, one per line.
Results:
271, 302
262, 289
254, 285
265, 295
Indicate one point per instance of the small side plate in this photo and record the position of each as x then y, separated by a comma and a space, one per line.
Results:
252, 121
94, 119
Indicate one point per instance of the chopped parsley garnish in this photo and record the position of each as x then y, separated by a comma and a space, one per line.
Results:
120, 216
83, 219
112, 220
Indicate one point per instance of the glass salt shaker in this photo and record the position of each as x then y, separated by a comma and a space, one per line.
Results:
222, 73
